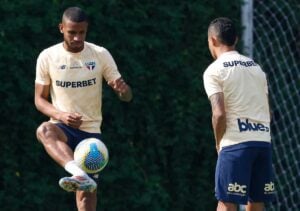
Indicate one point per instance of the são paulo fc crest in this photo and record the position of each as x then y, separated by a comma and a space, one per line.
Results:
90, 65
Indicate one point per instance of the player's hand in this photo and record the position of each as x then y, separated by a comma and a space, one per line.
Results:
71, 119
121, 88
119, 85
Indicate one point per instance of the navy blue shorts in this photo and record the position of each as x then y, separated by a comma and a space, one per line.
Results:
244, 173
74, 136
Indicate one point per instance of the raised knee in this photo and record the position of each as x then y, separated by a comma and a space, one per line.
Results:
43, 130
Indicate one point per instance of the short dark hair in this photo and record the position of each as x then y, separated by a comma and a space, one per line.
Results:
75, 14
223, 28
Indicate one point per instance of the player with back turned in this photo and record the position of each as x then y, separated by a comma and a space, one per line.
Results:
238, 92
71, 73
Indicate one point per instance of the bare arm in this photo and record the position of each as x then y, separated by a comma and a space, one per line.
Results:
122, 89
218, 117
41, 100
42, 103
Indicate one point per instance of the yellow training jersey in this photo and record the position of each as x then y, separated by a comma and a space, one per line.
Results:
75, 80
245, 90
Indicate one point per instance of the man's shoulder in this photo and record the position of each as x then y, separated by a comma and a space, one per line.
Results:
95, 47
52, 49
214, 66
229, 60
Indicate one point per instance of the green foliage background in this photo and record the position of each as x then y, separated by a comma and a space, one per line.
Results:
162, 154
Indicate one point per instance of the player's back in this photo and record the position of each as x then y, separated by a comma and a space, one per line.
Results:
245, 90
244, 87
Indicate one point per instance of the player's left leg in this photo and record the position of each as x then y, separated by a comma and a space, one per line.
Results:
86, 201
80, 180
255, 206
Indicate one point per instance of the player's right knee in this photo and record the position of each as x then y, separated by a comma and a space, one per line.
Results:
43, 131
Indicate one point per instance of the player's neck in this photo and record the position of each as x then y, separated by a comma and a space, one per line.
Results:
223, 49
72, 50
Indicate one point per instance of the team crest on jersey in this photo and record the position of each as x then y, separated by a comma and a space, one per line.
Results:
62, 67
90, 65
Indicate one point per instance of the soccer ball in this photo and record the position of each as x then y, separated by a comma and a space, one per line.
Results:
91, 155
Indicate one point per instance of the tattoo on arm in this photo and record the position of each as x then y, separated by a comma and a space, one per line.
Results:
216, 100
218, 117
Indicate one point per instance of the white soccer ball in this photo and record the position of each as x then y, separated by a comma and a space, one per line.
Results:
91, 155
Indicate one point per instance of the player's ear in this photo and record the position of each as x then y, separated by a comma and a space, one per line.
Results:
60, 27
215, 41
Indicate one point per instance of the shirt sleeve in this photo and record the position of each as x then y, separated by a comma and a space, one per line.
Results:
42, 70
110, 69
212, 84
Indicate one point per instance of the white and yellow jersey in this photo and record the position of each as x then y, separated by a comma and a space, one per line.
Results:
75, 80
245, 90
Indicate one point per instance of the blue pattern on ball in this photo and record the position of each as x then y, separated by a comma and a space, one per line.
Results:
94, 159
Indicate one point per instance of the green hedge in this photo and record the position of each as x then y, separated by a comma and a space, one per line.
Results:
162, 153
